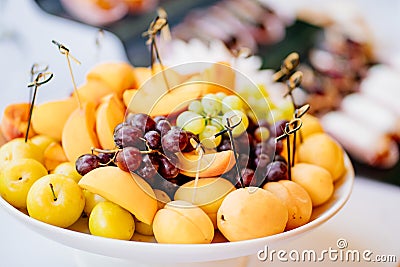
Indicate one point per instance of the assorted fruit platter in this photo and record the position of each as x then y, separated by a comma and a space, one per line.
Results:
154, 155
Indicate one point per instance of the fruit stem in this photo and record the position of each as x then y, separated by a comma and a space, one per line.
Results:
52, 191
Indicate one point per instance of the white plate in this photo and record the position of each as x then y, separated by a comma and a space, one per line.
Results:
126, 253
368, 221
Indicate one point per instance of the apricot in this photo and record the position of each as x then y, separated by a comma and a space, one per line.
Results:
181, 222
310, 125
49, 118
109, 114
128, 96
15, 121
93, 91
320, 149
128, 190
53, 156
296, 199
211, 165
251, 212
208, 194
79, 135
156, 101
316, 180
118, 76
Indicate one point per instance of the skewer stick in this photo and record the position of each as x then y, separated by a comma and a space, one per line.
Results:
40, 79
65, 51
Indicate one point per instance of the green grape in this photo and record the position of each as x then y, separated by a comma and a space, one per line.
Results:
231, 102
211, 104
206, 137
217, 123
191, 121
234, 117
220, 95
196, 107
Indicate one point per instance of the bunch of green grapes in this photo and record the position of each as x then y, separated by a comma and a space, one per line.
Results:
208, 116
262, 106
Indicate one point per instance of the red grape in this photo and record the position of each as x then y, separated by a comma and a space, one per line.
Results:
142, 121
153, 139
149, 166
167, 169
174, 141
129, 159
128, 135
86, 163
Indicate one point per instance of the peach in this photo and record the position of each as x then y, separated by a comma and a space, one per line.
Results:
212, 164
78, 135
49, 118
109, 113
322, 150
118, 76
15, 121
207, 194
316, 180
53, 156
181, 222
296, 200
128, 190
93, 91
251, 212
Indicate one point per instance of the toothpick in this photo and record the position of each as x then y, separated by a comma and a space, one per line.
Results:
40, 79
156, 26
200, 152
290, 128
229, 129
65, 51
36, 68
287, 67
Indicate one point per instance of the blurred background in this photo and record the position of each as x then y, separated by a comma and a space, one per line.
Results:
346, 48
